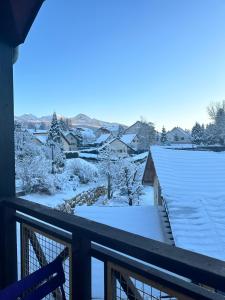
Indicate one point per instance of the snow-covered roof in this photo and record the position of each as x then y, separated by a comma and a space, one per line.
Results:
128, 138
193, 186
179, 131
88, 155
103, 138
113, 140
38, 131
41, 138
140, 156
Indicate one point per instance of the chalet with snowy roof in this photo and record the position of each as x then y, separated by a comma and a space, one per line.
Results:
70, 141
133, 129
190, 185
38, 132
117, 146
131, 139
102, 139
102, 130
40, 139
86, 135
178, 136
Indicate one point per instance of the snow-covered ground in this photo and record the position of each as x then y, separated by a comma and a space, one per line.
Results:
141, 220
58, 198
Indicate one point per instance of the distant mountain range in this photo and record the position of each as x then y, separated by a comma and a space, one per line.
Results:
79, 120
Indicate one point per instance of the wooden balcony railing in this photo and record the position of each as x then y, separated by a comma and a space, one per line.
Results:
134, 267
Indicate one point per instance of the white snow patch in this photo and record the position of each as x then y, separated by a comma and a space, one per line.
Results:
144, 221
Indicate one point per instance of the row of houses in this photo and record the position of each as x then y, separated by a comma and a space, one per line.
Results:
71, 142
189, 188
127, 143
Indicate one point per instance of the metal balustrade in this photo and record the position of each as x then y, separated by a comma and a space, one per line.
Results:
134, 267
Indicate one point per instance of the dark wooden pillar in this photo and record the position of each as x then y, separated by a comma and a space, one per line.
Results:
8, 257
81, 268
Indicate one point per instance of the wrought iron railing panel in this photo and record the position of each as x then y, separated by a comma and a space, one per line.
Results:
126, 285
38, 249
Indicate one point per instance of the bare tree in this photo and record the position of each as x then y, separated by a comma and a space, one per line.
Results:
214, 107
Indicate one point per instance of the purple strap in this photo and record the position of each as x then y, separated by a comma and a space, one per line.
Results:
37, 285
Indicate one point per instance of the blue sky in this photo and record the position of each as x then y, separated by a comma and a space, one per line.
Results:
117, 60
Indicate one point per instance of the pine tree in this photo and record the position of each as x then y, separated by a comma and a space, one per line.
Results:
54, 142
63, 125
54, 134
163, 138
197, 134
210, 134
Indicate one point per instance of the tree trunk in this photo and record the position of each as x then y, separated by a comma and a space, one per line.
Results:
109, 187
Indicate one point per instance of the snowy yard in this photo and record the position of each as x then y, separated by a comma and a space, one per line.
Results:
142, 219
113, 184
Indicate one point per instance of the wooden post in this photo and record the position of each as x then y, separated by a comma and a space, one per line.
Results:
8, 247
81, 268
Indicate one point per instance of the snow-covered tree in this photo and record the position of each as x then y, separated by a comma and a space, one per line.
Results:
146, 135
220, 126
163, 138
214, 107
32, 165
54, 134
210, 134
107, 160
197, 134
127, 180
63, 125
54, 142
216, 112
85, 171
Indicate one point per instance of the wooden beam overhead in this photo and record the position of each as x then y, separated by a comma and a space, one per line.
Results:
16, 19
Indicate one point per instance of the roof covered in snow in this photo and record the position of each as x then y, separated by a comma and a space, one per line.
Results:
42, 138
103, 138
128, 138
38, 131
193, 186
179, 131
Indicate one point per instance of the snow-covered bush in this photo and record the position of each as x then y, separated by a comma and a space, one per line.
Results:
87, 172
33, 171
32, 166
66, 181
66, 207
